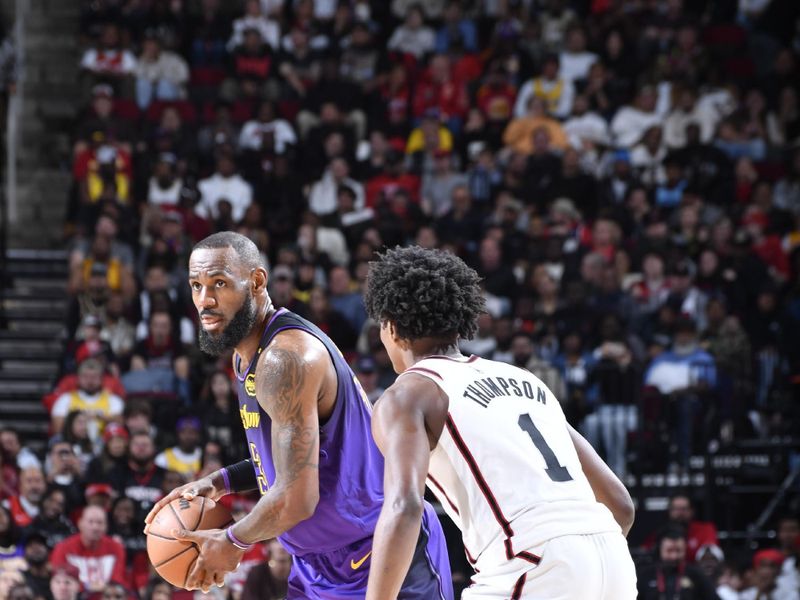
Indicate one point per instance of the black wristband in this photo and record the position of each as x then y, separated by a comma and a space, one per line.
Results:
242, 476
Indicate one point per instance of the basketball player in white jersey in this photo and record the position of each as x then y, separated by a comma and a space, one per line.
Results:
541, 514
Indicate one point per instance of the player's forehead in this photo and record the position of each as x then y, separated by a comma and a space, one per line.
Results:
209, 262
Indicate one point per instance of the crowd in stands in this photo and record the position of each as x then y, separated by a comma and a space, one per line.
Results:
624, 176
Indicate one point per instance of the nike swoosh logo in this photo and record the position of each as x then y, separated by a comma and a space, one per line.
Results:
354, 565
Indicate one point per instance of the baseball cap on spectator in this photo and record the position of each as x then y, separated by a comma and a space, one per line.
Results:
36, 536
283, 272
92, 321
769, 555
70, 571
88, 349
115, 430
715, 551
55, 440
185, 422
99, 489
102, 90
685, 324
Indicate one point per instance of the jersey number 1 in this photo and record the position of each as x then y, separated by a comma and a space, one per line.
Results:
554, 470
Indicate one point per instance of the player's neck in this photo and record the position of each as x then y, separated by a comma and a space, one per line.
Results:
426, 347
247, 348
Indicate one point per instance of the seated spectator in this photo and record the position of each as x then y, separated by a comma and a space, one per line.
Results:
573, 182
101, 125
584, 127
438, 186
170, 134
299, 63
52, 521
438, 89
63, 471
104, 175
685, 374
159, 349
333, 88
322, 199
252, 69
555, 90
124, 526
462, 225
109, 61
346, 298
630, 122
736, 141
24, 508
267, 132
361, 58
222, 422
269, 580
160, 74
225, 186
65, 583
647, 157
255, 19
184, 458
413, 36
767, 565
670, 572
138, 477
456, 27
331, 321
519, 135
99, 403
496, 98
575, 60
111, 455
99, 558
165, 186
37, 573
788, 533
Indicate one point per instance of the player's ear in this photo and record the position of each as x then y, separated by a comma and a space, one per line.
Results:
259, 279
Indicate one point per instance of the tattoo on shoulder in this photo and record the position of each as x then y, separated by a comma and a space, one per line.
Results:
280, 382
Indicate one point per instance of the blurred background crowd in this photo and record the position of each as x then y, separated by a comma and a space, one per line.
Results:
623, 174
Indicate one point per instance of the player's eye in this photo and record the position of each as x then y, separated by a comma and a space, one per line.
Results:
220, 283
196, 286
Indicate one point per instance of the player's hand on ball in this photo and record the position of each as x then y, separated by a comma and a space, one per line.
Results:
217, 557
202, 487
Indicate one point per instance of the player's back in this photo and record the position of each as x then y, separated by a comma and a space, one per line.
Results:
505, 468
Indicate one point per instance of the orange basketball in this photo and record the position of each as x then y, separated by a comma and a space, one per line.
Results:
173, 559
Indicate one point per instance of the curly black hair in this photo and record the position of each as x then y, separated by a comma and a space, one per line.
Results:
425, 293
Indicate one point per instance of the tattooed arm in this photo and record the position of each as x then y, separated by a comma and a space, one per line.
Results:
290, 378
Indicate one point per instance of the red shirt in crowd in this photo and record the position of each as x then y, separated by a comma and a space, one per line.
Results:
99, 565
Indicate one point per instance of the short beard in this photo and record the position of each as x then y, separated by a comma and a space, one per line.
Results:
239, 328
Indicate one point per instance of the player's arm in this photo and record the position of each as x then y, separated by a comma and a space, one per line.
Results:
289, 380
607, 487
399, 429
290, 377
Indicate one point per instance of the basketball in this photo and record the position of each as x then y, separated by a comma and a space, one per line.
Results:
173, 559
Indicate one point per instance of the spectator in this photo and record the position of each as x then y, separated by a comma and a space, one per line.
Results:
112, 455
267, 133
331, 321
12, 561
138, 477
520, 135
52, 521
124, 527
65, 583
345, 297
37, 573
687, 374
184, 458
631, 122
575, 60
788, 533
109, 60
413, 36
92, 397
101, 125
767, 566
14, 453
671, 574
322, 199
64, 472
225, 193
25, 507
222, 422
99, 558
254, 19
456, 28
269, 580
438, 186
160, 74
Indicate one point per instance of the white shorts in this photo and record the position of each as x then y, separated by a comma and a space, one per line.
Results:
572, 567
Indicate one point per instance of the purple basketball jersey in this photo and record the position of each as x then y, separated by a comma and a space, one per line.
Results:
350, 464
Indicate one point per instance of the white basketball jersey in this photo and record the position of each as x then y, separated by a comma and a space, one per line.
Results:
505, 468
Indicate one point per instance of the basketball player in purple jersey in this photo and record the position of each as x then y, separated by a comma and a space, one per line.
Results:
312, 457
